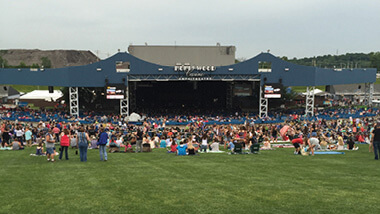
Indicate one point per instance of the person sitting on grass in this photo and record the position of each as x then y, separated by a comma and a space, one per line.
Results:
204, 144
181, 149
114, 146
190, 148
163, 142
266, 143
173, 148
340, 142
16, 145
215, 145
195, 144
94, 143
231, 146
323, 143
128, 147
350, 141
40, 150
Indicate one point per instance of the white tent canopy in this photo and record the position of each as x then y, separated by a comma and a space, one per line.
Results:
42, 95
134, 117
316, 91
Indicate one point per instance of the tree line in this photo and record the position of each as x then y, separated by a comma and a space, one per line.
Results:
348, 60
45, 63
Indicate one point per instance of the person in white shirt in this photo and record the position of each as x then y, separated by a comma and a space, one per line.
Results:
20, 135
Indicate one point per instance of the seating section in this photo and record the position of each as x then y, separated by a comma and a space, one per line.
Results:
329, 114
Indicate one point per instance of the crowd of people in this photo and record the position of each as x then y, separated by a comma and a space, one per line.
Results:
198, 135
221, 118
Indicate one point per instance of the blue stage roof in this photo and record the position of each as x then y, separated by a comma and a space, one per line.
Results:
100, 73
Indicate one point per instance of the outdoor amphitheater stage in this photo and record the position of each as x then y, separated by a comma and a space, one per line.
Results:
191, 96
148, 81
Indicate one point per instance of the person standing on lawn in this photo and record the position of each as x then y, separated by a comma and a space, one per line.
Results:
376, 140
28, 137
102, 142
49, 143
65, 143
83, 140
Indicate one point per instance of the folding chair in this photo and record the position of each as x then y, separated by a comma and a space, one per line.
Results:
238, 148
255, 148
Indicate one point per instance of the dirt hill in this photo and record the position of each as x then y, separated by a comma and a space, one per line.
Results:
58, 58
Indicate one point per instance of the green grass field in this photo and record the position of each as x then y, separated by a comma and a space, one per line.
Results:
270, 182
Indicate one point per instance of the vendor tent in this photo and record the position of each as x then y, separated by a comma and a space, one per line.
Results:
316, 91
134, 117
42, 95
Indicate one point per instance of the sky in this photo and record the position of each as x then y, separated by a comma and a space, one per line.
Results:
292, 28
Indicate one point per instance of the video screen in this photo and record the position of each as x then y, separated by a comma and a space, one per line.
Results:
243, 90
115, 92
272, 91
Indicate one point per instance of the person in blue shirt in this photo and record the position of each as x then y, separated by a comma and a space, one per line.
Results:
102, 142
231, 146
163, 143
181, 148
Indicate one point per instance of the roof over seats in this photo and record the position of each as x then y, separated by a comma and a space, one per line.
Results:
104, 72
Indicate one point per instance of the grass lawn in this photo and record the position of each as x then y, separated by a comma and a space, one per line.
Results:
29, 88
270, 182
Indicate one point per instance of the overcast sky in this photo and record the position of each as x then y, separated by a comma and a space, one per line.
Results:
293, 28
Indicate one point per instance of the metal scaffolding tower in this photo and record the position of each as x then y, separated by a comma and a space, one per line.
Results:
124, 103
132, 96
74, 101
369, 90
229, 96
309, 111
263, 108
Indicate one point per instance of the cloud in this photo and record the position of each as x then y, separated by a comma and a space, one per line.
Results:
287, 27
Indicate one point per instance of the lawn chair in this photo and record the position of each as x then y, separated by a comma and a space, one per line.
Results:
255, 148
146, 147
238, 148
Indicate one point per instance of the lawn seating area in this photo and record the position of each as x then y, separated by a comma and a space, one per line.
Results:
275, 181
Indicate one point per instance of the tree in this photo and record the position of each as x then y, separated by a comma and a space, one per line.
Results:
22, 65
46, 63
3, 63
375, 60
35, 66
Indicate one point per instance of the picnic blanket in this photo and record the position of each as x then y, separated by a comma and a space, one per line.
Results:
266, 148
329, 153
286, 145
37, 155
210, 151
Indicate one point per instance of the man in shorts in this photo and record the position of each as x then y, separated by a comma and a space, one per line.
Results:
49, 142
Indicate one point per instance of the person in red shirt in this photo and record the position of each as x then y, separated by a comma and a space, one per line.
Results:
297, 143
56, 132
65, 142
173, 148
